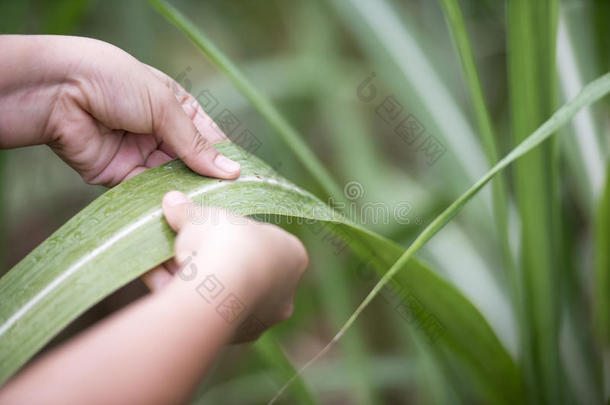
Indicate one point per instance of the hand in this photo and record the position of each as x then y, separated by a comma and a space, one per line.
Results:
258, 264
156, 350
103, 112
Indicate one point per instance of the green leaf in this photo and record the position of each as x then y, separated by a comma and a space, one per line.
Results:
532, 82
93, 254
457, 28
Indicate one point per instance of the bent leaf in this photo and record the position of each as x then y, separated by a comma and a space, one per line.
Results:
122, 234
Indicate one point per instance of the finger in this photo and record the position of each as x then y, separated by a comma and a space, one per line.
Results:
174, 128
157, 158
156, 278
176, 209
133, 172
202, 121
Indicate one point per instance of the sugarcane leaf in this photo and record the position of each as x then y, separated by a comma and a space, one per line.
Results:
122, 234
531, 63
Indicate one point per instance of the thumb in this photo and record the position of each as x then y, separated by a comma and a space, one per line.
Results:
176, 207
175, 128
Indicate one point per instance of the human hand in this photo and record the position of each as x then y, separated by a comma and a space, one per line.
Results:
102, 111
156, 350
259, 265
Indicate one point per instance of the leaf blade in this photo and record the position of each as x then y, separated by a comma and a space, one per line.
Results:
258, 191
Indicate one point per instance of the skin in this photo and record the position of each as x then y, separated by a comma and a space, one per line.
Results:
110, 117
103, 112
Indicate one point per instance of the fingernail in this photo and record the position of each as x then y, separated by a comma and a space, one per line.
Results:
225, 164
174, 198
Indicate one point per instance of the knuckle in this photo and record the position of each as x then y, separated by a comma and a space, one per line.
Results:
199, 143
160, 103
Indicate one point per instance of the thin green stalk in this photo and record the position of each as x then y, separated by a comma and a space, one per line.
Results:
601, 12
457, 28
459, 34
260, 102
589, 94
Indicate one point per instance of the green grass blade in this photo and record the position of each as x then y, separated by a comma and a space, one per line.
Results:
583, 174
591, 93
92, 255
532, 82
584, 151
601, 12
458, 32
258, 100
457, 28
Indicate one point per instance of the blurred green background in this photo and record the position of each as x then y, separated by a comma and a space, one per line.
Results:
312, 57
